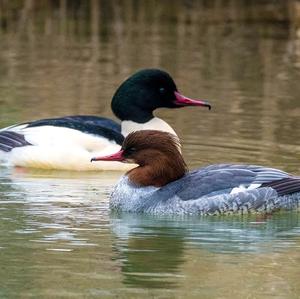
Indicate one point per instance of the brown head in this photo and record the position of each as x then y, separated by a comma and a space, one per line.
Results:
157, 155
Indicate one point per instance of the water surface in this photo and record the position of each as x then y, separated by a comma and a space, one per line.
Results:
58, 238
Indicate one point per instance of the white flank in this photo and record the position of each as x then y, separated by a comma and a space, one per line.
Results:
62, 148
69, 149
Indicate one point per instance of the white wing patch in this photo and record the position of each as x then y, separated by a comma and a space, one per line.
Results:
243, 188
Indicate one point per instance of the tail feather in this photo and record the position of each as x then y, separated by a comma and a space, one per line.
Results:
285, 186
9, 140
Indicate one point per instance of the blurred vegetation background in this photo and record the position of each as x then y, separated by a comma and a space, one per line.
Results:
68, 57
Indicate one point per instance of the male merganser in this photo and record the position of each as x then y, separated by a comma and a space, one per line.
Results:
69, 142
160, 184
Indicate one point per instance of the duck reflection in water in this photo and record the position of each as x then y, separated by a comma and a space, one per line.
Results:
151, 254
153, 249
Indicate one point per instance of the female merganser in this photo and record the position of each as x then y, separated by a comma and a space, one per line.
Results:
69, 142
160, 184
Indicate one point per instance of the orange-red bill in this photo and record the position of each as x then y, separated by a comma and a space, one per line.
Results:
182, 100
114, 157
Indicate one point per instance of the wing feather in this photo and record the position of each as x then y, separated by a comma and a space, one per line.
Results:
223, 178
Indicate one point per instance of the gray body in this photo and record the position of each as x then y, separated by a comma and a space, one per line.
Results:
209, 191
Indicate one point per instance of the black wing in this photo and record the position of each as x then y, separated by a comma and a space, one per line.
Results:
94, 120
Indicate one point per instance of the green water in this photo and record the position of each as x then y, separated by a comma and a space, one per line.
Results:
58, 238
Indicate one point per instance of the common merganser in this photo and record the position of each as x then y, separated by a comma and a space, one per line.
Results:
161, 184
69, 142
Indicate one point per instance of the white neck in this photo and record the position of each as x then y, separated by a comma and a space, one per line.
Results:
155, 123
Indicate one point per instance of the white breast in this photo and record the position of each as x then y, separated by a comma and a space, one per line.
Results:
128, 197
155, 123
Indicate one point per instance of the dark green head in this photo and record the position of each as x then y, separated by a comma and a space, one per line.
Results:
145, 91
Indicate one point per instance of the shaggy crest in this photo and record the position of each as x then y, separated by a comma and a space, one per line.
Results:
163, 141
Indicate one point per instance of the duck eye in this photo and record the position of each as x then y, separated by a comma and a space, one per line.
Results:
130, 150
162, 90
